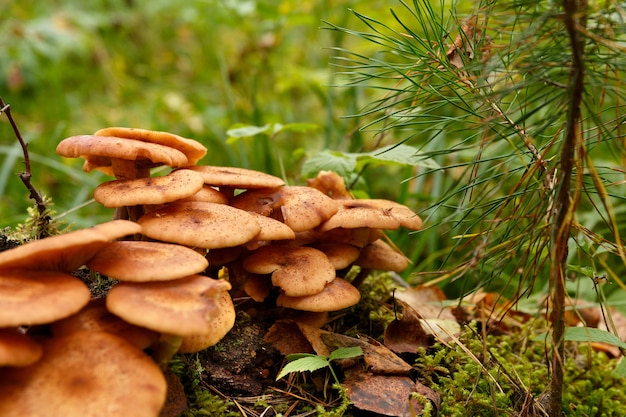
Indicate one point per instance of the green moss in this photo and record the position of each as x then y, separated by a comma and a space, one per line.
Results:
513, 375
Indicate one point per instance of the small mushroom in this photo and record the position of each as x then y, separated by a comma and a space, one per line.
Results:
181, 307
215, 330
198, 224
297, 270
340, 255
237, 178
177, 185
331, 184
301, 208
337, 295
87, 374
141, 261
207, 194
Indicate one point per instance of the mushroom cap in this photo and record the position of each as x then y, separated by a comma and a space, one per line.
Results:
379, 255
68, 251
340, 255
85, 374
96, 318
301, 208
198, 224
153, 190
272, 229
236, 177
331, 184
207, 194
142, 261
337, 295
373, 213
215, 330
181, 307
98, 151
297, 270
18, 349
258, 286
30, 297
193, 150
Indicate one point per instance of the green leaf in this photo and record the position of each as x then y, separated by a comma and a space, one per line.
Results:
620, 369
308, 363
345, 353
395, 155
294, 127
245, 131
587, 334
341, 163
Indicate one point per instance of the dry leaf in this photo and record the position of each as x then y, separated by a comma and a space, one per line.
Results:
406, 335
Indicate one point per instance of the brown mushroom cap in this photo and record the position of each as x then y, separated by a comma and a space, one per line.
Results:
379, 255
30, 297
272, 229
198, 224
68, 251
193, 150
17, 349
236, 177
301, 208
215, 330
258, 286
207, 194
96, 318
337, 295
297, 270
331, 184
141, 261
341, 255
180, 307
154, 190
87, 374
106, 149
373, 213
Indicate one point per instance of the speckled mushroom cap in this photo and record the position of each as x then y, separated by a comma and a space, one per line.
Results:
199, 224
181, 307
193, 150
215, 330
301, 208
86, 374
143, 261
297, 270
120, 156
29, 297
68, 251
18, 349
174, 186
236, 177
337, 295
372, 213
379, 255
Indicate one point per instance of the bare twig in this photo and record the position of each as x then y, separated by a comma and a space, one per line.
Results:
26, 175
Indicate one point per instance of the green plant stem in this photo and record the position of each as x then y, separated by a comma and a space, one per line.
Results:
566, 203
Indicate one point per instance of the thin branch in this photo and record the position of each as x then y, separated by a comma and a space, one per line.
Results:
26, 175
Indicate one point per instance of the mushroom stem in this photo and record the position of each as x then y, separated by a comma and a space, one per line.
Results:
165, 349
360, 277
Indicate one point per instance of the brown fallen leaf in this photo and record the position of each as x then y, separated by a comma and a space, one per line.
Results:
406, 334
387, 395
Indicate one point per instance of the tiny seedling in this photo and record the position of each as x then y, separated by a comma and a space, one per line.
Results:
302, 362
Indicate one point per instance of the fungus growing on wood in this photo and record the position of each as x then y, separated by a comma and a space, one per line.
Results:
301, 208
297, 270
141, 261
198, 224
87, 374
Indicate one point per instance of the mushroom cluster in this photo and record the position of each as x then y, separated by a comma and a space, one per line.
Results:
197, 236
